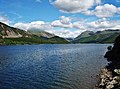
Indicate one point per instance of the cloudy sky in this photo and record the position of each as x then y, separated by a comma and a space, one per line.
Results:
65, 18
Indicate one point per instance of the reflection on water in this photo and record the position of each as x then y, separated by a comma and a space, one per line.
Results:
69, 66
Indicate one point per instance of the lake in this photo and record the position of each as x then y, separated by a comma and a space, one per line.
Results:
51, 66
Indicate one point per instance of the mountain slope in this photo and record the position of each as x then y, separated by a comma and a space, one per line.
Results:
106, 36
85, 34
10, 32
41, 33
10, 35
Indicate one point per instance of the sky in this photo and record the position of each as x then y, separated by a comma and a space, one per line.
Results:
64, 18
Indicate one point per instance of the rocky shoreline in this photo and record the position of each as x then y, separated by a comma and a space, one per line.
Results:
109, 77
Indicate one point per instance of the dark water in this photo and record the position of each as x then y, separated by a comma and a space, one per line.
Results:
69, 66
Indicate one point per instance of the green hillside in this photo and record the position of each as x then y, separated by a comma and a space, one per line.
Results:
41, 33
10, 36
107, 36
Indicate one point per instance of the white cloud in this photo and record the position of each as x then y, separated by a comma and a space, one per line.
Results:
107, 10
66, 27
97, 2
62, 32
74, 6
84, 6
103, 11
36, 25
5, 20
103, 24
67, 22
115, 24
23, 26
79, 25
64, 22
66, 33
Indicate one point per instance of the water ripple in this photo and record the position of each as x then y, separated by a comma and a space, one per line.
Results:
70, 66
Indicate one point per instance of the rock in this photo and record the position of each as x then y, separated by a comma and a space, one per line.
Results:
115, 77
113, 82
107, 80
110, 75
114, 54
117, 71
109, 86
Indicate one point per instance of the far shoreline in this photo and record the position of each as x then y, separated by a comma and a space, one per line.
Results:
53, 44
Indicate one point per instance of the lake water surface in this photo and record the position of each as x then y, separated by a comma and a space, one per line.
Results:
51, 66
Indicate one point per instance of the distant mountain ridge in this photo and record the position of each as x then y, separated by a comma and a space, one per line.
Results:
10, 35
106, 36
